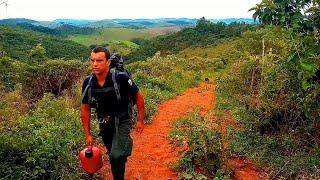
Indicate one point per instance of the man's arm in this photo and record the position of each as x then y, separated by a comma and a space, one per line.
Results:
85, 117
141, 111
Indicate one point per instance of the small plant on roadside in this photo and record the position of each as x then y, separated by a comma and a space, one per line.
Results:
200, 157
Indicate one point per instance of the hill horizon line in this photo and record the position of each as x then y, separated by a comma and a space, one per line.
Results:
83, 19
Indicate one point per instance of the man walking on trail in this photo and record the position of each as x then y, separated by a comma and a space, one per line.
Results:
110, 92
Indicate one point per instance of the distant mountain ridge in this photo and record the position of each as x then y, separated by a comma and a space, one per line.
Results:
14, 21
75, 22
134, 23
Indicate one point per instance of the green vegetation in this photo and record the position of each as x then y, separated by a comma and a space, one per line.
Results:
267, 76
203, 147
161, 30
161, 78
37, 78
273, 90
122, 47
116, 39
205, 33
262, 91
63, 30
222, 50
40, 138
17, 43
44, 144
66, 30
104, 35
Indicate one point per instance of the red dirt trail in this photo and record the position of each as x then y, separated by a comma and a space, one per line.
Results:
152, 151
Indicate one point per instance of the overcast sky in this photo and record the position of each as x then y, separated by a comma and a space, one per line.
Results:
108, 9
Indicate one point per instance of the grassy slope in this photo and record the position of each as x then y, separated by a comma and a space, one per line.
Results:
221, 50
109, 34
164, 29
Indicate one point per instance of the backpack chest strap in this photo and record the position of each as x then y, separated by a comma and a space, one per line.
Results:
115, 84
103, 90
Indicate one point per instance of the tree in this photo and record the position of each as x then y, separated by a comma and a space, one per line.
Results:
3, 2
288, 13
38, 53
203, 25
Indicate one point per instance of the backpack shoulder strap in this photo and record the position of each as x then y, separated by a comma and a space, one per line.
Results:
113, 72
88, 88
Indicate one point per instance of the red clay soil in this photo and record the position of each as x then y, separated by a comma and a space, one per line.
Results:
152, 151
241, 167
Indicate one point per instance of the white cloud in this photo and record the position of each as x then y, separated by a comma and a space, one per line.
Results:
106, 9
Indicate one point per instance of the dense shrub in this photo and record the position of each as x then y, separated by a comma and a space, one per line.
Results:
37, 78
10, 71
44, 145
12, 106
52, 76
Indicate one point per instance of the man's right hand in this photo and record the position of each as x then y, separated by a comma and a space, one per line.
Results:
89, 140
140, 126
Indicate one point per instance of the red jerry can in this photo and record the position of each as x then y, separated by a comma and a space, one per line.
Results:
91, 159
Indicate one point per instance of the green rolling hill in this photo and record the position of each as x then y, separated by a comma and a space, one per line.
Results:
105, 35
17, 43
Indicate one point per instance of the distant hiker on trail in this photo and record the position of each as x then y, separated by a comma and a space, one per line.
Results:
112, 92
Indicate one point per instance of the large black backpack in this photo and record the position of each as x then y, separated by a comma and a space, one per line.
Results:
116, 67
117, 62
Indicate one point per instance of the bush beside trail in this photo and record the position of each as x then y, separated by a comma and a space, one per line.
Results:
54, 76
44, 144
37, 78
40, 134
273, 91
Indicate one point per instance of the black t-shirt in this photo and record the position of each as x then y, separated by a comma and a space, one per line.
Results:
105, 96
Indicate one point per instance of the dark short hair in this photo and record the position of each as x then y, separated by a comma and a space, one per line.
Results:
102, 49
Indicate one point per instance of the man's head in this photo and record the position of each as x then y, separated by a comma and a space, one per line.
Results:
99, 60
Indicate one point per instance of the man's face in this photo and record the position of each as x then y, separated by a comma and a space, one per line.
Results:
99, 63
